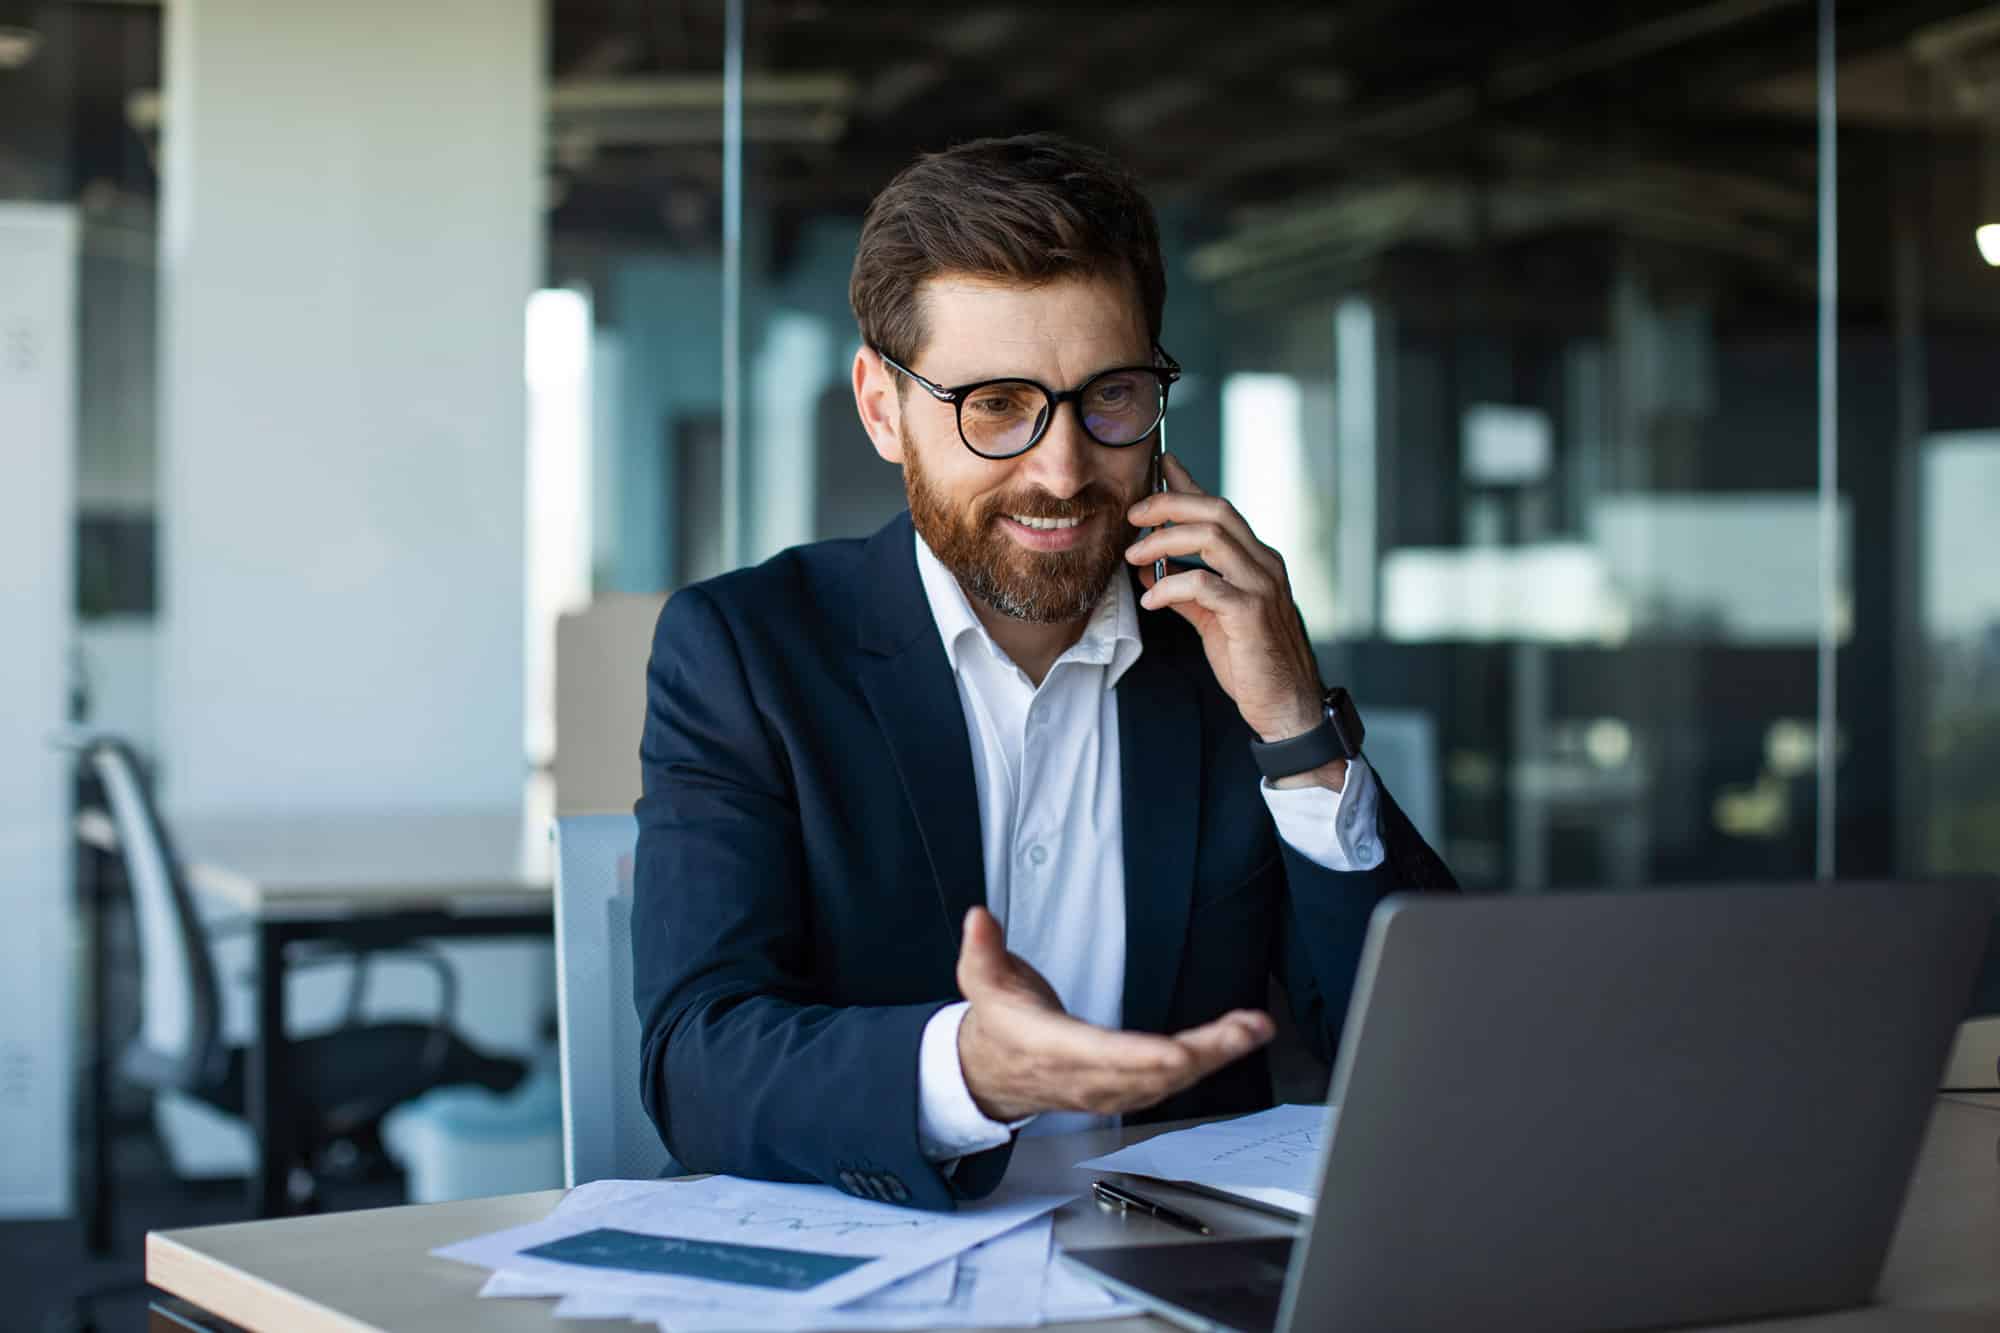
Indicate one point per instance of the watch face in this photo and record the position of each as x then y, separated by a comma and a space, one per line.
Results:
1346, 720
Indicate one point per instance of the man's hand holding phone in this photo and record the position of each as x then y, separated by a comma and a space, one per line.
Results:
1240, 603
1022, 1055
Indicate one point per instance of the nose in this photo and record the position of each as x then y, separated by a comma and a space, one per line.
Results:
1061, 461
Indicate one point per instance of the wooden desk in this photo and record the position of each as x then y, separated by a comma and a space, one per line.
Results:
365, 880
364, 1271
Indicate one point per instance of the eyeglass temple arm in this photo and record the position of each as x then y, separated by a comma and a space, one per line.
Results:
937, 391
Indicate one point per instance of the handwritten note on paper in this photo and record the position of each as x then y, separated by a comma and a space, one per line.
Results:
1272, 1156
723, 1240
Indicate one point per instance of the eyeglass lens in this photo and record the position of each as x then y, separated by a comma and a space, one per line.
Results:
1007, 416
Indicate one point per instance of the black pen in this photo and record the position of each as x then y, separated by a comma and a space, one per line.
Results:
1118, 1197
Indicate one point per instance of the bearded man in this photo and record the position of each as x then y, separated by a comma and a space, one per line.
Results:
979, 826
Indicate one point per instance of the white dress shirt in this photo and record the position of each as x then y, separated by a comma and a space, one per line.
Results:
1045, 765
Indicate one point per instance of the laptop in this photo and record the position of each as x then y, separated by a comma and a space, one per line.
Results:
1607, 1111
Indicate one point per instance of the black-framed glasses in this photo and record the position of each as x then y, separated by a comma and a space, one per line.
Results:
1004, 418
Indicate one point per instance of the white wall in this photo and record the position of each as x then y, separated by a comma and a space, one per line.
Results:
38, 272
352, 224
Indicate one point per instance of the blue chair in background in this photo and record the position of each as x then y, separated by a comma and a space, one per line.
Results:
606, 1131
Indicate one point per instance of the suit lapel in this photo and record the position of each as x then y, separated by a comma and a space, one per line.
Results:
1159, 762
907, 681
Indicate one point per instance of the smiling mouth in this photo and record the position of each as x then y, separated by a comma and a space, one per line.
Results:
1045, 524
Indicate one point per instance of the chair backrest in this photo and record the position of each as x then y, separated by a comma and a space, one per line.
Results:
600, 688
606, 1132
180, 1027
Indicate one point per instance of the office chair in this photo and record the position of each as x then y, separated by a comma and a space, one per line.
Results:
606, 1132
346, 1078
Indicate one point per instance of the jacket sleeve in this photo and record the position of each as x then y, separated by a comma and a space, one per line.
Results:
744, 1069
1326, 920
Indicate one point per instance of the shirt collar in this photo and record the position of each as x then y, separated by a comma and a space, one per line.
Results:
1110, 639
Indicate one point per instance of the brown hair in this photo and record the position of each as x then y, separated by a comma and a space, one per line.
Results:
1028, 209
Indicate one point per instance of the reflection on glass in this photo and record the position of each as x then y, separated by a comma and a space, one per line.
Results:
1267, 474
1523, 386
1740, 568
1961, 644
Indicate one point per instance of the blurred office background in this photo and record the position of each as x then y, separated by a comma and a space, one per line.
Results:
1619, 380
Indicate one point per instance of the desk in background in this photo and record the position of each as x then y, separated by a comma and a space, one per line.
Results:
373, 880
372, 1270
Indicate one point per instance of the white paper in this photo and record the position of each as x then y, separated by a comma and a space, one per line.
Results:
931, 1287
765, 1246
1272, 1155
1068, 1294
504, 1286
996, 1294
1000, 1285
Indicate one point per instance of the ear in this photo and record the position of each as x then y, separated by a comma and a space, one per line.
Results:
880, 406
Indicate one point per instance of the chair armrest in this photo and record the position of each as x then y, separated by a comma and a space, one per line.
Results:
322, 955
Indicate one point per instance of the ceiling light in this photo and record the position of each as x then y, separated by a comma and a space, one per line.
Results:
18, 45
1988, 237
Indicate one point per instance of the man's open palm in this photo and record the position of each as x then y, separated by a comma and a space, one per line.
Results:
1022, 1055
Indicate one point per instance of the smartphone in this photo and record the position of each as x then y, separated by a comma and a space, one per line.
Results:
1160, 485
1158, 480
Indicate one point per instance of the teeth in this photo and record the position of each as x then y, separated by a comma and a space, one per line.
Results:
1045, 524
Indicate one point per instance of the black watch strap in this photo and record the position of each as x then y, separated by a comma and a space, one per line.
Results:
1338, 736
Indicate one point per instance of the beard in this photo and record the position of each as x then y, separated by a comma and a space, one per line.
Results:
1043, 587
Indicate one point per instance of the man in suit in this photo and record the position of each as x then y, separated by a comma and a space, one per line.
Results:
976, 827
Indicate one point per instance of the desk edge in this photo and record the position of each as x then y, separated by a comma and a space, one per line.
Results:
244, 1299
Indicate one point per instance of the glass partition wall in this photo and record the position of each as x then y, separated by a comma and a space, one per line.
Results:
1507, 326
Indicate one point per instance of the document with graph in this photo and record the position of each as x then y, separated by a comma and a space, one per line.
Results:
1270, 1159
724, 1241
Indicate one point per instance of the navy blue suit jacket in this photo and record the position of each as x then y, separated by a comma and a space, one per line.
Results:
809, 843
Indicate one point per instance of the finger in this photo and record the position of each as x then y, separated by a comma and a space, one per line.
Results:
1177, 507
1210, 1047
1181, 481
1024, 981
982, 954
1255, 1022
1219, 549
1227, 1039
1178, 477
1183, 508
1196, 587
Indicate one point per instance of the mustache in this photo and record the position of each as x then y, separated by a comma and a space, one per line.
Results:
1040, 504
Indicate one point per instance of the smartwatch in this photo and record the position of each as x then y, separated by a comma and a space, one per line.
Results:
1338, 736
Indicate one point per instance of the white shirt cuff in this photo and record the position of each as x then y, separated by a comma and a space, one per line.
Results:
1334, 829
949, 1123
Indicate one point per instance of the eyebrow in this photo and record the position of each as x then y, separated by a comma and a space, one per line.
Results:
953, 382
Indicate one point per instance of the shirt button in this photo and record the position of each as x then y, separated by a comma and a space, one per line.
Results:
1037, 854
1365, 848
